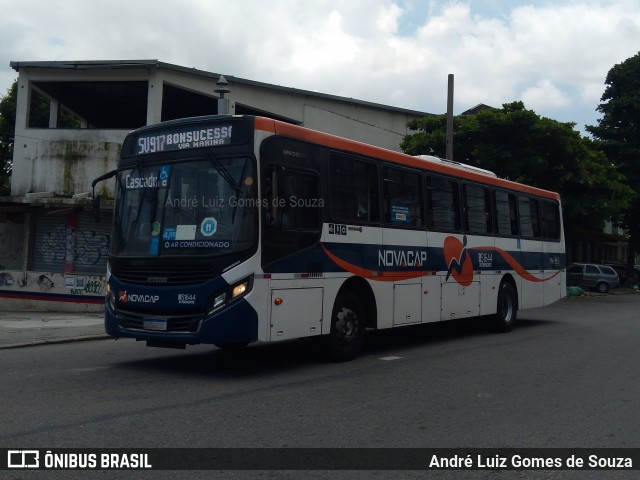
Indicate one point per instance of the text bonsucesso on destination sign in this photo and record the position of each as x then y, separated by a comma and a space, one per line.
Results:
195, 138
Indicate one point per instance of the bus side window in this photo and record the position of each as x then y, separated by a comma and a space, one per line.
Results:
291, 212
513, 214
291, 200
477, 209
443, 204
529, 219
506, 213
354, 196
402, 198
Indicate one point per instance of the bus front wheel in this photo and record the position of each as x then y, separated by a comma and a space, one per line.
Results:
348, 325
505, 317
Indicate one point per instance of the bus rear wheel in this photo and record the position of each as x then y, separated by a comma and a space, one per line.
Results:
348, 325
505, 317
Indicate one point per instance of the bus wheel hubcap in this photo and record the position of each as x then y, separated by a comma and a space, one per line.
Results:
347, 323
507, 309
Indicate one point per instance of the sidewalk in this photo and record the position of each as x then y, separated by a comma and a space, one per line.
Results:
24, 329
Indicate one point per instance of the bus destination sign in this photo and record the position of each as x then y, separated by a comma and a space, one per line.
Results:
183, 138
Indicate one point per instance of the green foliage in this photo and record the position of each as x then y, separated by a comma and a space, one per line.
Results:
618, 132
519, 145
7, 129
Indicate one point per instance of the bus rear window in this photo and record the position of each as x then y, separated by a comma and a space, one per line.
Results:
550, 216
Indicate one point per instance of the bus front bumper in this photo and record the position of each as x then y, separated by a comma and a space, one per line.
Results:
237, 323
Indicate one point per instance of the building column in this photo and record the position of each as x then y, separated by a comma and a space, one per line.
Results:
154, 98
54, 107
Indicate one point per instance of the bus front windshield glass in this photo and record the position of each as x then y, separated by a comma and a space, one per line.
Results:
206, 206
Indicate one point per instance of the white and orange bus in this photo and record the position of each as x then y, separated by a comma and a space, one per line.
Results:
237, 229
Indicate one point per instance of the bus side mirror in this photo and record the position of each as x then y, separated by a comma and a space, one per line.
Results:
96, 199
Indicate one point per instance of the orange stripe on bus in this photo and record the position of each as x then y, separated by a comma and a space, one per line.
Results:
340, 143
394, 276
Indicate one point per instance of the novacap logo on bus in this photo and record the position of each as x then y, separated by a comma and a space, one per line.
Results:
167, 297
402, 258
458, 261
125, 297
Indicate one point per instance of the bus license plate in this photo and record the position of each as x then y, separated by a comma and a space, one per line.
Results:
155, 324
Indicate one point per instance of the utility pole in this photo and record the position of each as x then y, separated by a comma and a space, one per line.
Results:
450, 118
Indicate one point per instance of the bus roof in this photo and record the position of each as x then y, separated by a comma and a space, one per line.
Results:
344, 144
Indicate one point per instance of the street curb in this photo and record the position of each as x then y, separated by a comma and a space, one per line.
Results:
85, 338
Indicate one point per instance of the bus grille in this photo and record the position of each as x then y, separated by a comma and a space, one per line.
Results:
185, 273
184, 323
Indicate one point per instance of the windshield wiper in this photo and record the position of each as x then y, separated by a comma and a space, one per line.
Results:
224, 173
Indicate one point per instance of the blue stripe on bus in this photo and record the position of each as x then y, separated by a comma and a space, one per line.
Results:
389, 259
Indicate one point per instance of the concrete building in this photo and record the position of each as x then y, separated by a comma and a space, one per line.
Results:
71, 120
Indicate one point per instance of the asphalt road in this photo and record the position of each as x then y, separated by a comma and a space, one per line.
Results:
567, 376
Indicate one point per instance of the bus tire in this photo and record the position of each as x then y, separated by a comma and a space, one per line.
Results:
348, 325
507, 308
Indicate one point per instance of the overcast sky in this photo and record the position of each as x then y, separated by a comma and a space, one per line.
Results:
553, 55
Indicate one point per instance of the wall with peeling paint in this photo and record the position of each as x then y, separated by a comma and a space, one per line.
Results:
48, 291
63, 167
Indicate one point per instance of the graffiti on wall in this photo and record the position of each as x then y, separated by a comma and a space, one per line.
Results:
83, 285
80, 246
54, 283
6, 279
45, 283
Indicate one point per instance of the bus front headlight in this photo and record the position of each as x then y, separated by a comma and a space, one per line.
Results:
229, 295
240, 289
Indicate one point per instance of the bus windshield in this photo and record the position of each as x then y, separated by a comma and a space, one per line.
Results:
204, 206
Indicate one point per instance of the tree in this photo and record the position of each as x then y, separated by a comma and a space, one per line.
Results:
7, 129
517, 144
618, 132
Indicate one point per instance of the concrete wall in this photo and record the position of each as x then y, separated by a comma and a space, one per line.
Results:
64, 162
47, 291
